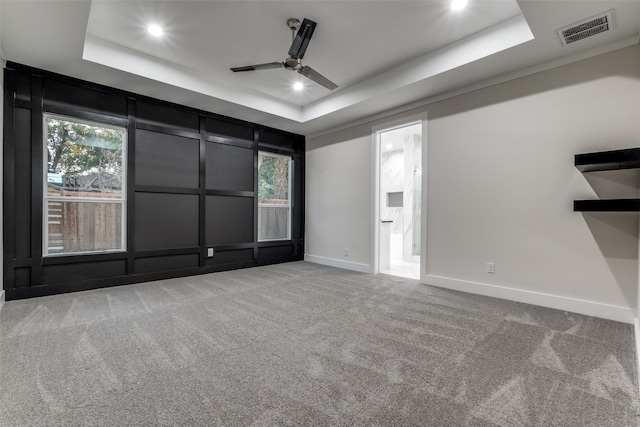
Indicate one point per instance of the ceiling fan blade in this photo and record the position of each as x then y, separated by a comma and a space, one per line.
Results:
266, 66
302, 38
312, 74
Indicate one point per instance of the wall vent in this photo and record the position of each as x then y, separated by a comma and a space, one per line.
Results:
586, 28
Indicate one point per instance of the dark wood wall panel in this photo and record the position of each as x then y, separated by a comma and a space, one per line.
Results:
230, 257
191, 186
297, 221
276, 140
166, 263
229, 220
22, 277
77, 97
229, 167
23, 183
229, 129
23, 86
63, 273
165, 221
166, 160
165, 115
277, 252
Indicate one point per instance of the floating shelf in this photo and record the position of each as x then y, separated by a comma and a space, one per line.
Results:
607, 205
608, 160
628, 158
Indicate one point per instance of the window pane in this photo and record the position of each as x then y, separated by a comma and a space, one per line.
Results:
74, 226
273, 223
273, 179
84, 160
85, 186
274, 206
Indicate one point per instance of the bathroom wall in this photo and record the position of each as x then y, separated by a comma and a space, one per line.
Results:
412, 190
400, 172
392, 181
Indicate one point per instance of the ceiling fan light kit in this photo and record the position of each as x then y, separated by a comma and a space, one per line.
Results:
301, 34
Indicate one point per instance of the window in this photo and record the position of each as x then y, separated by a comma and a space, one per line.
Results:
84, 188
274, 197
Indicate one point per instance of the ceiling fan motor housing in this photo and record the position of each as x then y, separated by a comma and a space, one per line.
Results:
292, 63
293, 24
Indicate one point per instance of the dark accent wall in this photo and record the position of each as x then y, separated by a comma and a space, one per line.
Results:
191, 185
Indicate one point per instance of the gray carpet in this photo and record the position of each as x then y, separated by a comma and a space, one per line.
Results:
300, 344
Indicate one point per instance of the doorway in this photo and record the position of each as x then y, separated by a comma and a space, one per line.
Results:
399, 208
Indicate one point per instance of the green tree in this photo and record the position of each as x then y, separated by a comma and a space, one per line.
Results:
88, 157
273, 178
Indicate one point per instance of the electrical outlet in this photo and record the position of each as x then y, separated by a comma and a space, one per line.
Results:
491, 267
346, 251
209, 252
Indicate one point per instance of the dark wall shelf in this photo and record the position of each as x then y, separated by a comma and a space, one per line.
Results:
608, 161
607, 205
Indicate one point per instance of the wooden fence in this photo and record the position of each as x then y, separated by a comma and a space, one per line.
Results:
273, 223
83, 226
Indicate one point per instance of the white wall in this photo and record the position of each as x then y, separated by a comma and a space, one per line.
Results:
502, 182
338, 199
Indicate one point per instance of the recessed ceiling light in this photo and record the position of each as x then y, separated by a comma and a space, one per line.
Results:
389, 146
458, 4
155, 30
298, 86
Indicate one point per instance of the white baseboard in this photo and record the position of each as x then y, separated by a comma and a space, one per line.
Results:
637, 330
346, 265
588, 308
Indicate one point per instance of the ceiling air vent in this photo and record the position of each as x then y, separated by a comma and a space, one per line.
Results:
586, 28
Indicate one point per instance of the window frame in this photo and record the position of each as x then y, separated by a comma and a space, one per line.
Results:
46, 197
289, 204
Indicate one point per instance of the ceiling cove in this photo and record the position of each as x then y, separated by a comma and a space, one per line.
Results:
396, 56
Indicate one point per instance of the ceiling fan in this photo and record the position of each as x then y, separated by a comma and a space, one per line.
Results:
296, 52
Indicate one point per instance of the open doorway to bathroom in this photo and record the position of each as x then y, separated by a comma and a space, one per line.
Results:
399, 243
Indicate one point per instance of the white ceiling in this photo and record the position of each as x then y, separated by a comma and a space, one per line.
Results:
384, 55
